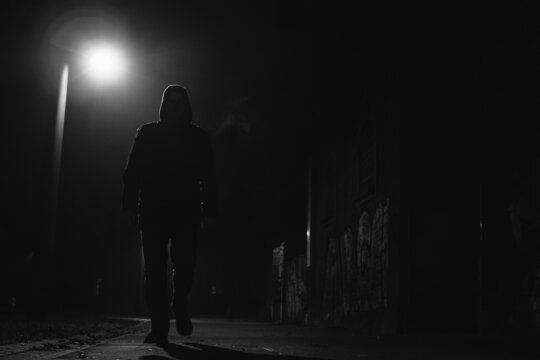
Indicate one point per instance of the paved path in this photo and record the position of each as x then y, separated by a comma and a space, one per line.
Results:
244, 340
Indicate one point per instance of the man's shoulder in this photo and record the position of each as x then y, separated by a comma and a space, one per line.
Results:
148, 126
146, 130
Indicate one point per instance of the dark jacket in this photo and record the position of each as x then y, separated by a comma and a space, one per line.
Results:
170, 173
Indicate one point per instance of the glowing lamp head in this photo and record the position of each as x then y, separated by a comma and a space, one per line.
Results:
105, 63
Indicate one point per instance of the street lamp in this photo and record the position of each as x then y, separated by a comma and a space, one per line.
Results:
104, 63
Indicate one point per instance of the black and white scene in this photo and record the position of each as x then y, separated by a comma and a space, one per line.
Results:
277, 179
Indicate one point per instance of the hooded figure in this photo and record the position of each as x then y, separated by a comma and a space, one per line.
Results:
169, 182
170, 171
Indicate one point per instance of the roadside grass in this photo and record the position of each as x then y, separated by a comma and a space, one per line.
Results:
76, 329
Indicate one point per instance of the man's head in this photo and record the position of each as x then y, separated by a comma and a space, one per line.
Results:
175, 106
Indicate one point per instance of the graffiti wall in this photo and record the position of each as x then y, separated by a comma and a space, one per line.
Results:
276, 306
295, 289
356, 276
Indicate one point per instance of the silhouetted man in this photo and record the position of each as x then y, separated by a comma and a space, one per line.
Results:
169, 181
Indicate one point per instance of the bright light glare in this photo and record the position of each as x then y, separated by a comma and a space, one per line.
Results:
105, 63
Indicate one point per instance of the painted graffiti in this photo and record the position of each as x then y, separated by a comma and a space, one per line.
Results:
295, 288
356, 277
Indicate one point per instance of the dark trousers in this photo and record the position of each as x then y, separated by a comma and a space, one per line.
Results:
156, 237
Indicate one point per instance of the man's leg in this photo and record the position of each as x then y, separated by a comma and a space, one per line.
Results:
155, 240
183, 255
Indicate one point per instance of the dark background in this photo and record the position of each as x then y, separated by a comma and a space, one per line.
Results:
274, 83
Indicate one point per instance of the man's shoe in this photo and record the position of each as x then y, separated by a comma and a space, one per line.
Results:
156, 338
183, 325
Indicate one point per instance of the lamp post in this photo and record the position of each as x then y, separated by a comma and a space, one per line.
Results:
57, 148
103, 63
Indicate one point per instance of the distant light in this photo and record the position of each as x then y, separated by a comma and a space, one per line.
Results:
105, 63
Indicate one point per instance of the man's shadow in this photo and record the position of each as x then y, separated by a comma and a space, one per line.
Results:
195, 351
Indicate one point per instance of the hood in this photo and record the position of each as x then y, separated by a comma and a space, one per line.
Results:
175, 106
